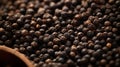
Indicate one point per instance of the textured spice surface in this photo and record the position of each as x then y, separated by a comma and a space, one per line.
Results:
76, 33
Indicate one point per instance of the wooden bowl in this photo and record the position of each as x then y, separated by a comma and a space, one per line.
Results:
12, 58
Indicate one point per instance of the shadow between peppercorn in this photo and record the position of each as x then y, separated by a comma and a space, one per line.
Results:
12, 58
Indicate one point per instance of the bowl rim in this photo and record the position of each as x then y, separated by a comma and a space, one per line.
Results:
17, 54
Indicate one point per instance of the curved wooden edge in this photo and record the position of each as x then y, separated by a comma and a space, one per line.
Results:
17, 54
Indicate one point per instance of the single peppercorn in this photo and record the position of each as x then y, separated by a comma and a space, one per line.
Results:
32, 56
108, 45
70, 63
102, 61
1, 42
46, 39
34, 44
50, 44
84, 38
29, 11
24, 32
2, 30
92, 59
56, 40
90, 33
51, 52
4, 37
72, 54
48, 60
73, 48
63, 39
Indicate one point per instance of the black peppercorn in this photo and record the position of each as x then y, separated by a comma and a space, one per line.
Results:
32, 56
82, 61
56, 47
73, 33
29, 11
70, 63
85, 29
7, 42
93, 5
56, 40
22, 11
37, 52
67, 35
34, 44
92, 59
27, 26
62, 38
24, 32
46, 39
118, 25
61, 60
2, 30
15, 25
36, 60
103, 62
111, 62
48, 60
67, 50
72, 54
99, 14
79, 48
77, 16
4, 37
1, 42
96, 54
84, 38
77, 57
50, 44
90, 33
37, 33
117, 3
29, 48
109, 58
45, 56
22, 49
104, 55
43, 50
97, 47
79, 28
84, 51
87, 56
73, 48
62, 47
68, 43
42, 31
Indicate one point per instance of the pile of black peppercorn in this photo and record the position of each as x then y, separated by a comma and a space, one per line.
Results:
71, 33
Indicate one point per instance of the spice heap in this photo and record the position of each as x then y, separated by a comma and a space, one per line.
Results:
75, 33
